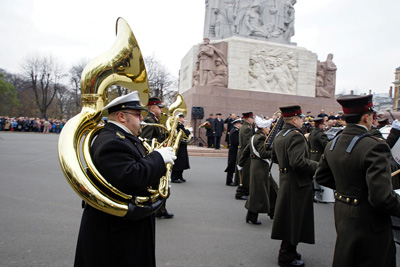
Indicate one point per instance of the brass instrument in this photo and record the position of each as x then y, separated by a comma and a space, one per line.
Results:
122, 65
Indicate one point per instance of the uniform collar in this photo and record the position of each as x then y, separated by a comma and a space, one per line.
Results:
121, 126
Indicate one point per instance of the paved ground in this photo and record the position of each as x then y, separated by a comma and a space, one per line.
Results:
40, 215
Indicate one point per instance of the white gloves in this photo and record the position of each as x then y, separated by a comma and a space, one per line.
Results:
396, 124
239, 168
167, 154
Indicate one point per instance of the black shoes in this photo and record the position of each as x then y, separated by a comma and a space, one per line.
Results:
231, 184
295, 263
176, 181
183, 180
165, 214
242, 197
252, 217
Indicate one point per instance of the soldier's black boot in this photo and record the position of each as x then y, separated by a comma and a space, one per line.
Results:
252, 217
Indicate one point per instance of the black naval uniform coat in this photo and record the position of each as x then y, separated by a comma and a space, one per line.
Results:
182, 157
107, 240
260, 182
245, 134
233, 148
317, 140
150, 132
364, 199
294, 211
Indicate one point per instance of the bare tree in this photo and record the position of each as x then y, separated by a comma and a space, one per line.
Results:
44, 74
75, 74
162, 84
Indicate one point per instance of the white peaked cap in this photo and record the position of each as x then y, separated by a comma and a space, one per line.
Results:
129, 101
262, 123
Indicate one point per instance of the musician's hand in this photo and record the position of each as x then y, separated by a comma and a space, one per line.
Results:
239, 168
167, 153
396, 124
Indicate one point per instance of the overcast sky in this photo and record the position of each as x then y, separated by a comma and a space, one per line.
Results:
363, 35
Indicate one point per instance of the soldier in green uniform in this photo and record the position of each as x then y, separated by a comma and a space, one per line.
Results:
242, 176
317, 139
149, 132
261, 180
294, 211
357, 166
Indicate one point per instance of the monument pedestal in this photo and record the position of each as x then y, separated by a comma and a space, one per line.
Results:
227, 101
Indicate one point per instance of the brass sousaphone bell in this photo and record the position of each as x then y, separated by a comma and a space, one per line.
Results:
122, 65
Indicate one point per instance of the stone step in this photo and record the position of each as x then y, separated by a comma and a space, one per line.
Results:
196, 151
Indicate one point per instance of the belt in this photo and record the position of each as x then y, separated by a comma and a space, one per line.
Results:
283, 170
314, 151
351, 200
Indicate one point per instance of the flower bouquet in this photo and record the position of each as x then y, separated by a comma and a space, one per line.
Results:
206, 125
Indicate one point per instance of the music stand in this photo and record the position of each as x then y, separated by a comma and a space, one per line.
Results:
199, 140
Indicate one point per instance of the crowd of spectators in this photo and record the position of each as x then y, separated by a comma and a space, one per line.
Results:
35, 125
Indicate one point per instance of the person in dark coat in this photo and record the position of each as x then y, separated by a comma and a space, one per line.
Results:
317, 140
182, 160
242, 176
261, 181
118, 154
229, 126
218, 129
210, 131
294, 211
357, 166
149, 132
233, 148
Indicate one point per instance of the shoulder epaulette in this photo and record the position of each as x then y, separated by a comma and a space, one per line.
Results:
355, 140
119, 135
288, 131
334, 143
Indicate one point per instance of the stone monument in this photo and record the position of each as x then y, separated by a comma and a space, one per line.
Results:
247, 62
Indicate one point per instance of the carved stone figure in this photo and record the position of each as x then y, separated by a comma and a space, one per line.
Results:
273, 71
206, 58
220, 74
196, 75
253, 23
271, 20
326, 78
289, 20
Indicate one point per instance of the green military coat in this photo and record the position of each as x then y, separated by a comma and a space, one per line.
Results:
317, 140
364, 198
150, 132
245, 133
260, 180
294, 211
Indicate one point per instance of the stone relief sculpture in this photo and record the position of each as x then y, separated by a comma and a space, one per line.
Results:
220, 74
273, 71
326, 78
212, 66
270, 20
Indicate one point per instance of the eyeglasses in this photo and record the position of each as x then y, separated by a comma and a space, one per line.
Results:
137, 114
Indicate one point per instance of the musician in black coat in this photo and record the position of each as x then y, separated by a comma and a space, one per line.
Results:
229, 126
108, 240
210, 132
218, 129
233, 148
182, 161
